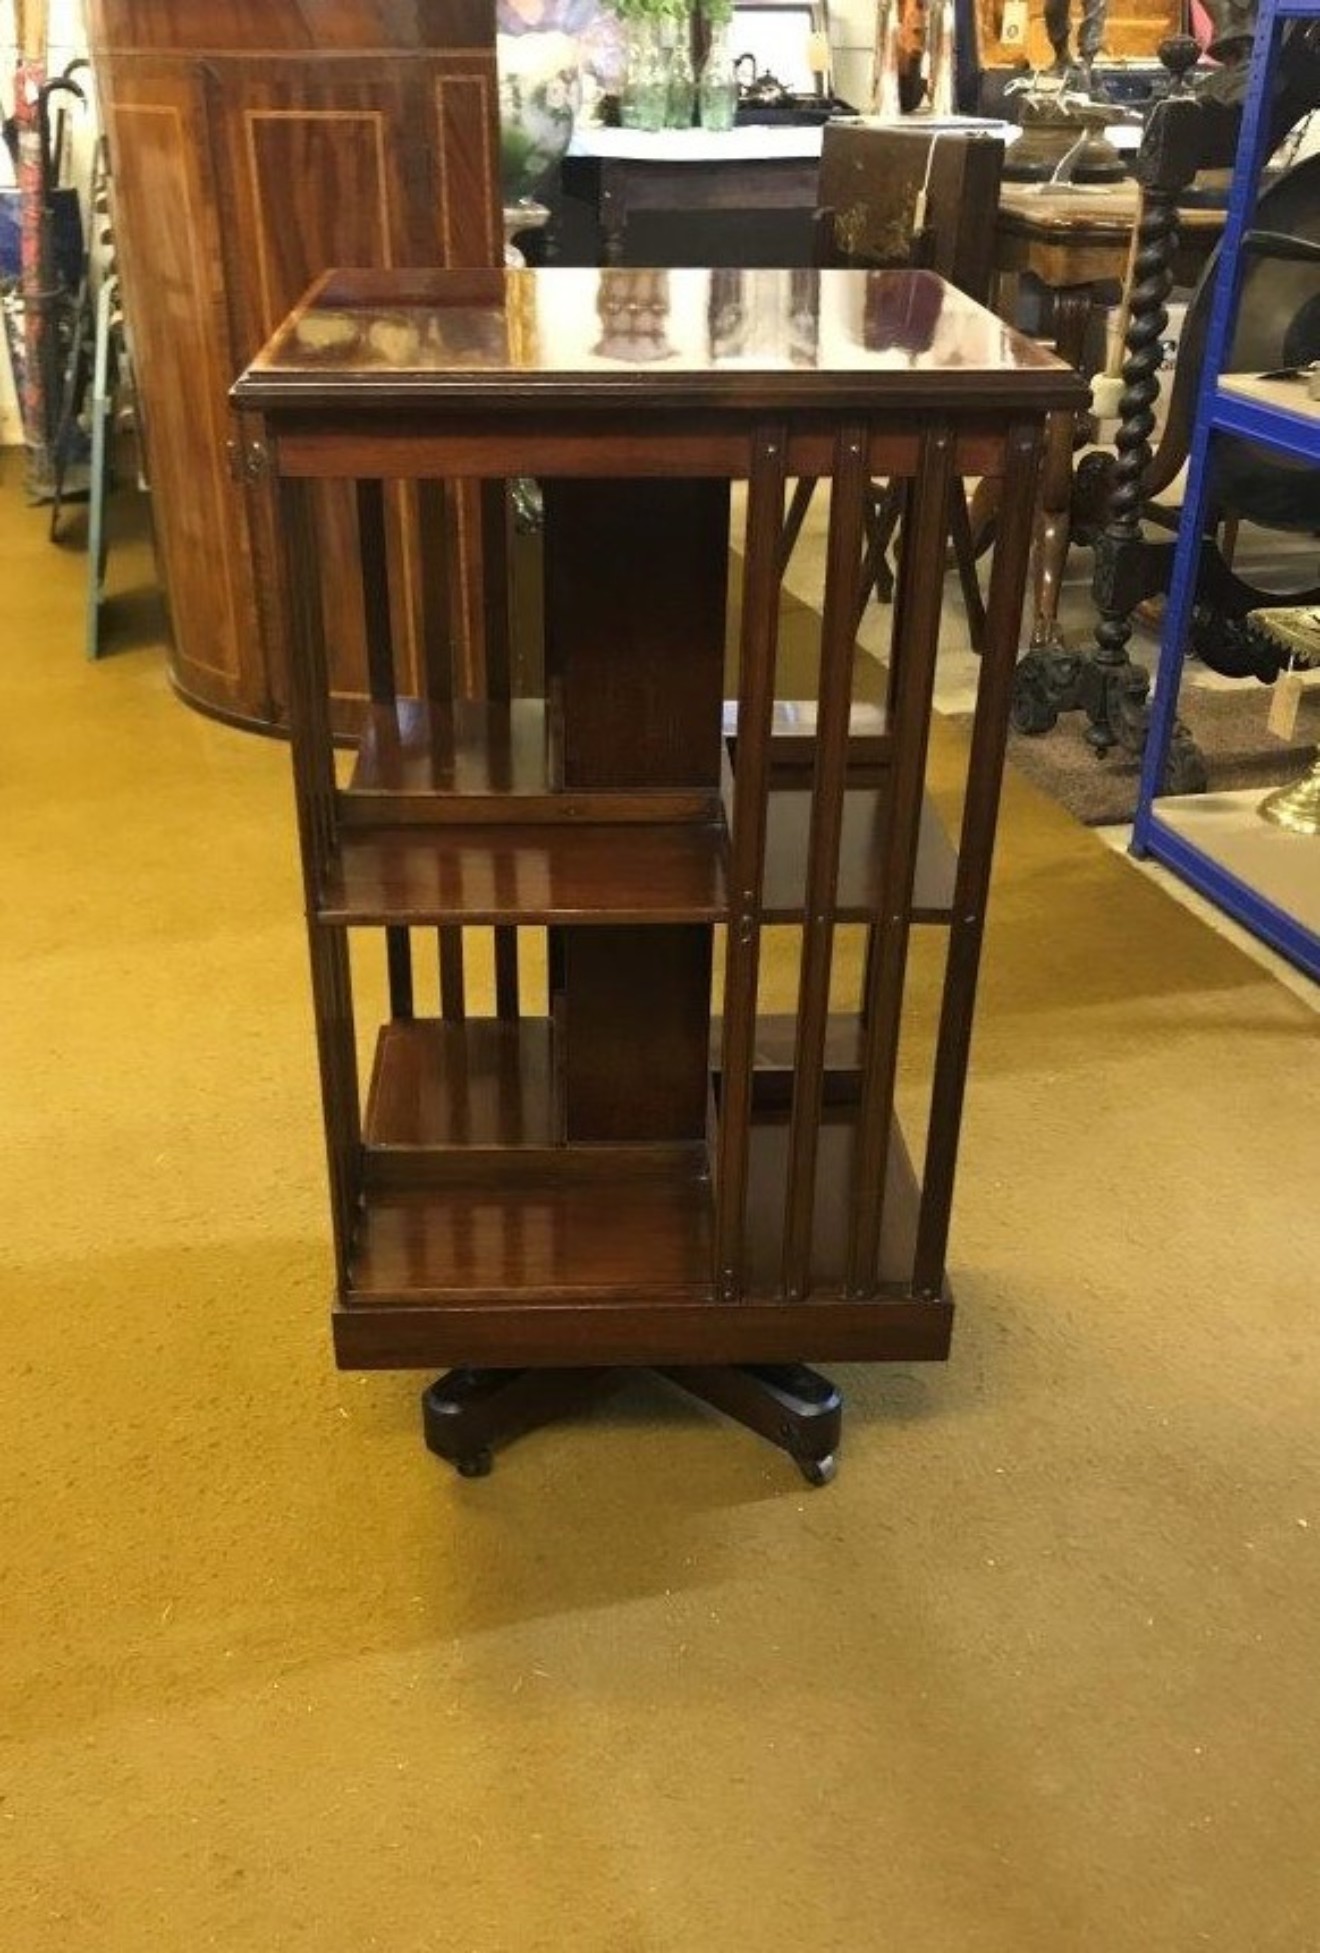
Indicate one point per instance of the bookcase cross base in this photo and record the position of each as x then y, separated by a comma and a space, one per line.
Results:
471, 1412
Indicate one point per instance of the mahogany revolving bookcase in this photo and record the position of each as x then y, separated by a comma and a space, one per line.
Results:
616, 1144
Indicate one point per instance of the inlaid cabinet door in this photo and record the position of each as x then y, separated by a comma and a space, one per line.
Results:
378, 162
168, 239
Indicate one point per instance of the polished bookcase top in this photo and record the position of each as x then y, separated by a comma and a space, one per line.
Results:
596, 337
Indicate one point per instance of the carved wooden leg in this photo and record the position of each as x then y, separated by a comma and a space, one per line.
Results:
1104, 682
1071, 318
1115, 691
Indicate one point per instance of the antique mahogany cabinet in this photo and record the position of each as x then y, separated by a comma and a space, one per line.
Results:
255, 142
662, 1133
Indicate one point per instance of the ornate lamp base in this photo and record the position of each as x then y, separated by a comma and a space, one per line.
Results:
1045, 143
1296, 808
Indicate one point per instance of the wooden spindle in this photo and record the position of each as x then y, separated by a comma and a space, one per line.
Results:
758, 646
917, 604
838, 643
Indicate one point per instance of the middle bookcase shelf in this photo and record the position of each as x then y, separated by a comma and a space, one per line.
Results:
527, 874
453, 815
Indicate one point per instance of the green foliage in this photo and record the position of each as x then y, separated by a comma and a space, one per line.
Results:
654, 10
715, 13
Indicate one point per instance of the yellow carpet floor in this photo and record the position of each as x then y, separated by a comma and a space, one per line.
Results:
1038, 1671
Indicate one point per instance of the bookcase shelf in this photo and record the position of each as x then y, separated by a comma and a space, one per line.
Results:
506, 1250
527, 874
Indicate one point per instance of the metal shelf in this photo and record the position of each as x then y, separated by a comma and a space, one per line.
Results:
1275, 414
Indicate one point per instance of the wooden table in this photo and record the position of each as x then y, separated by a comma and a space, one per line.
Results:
1078, 243
621, 172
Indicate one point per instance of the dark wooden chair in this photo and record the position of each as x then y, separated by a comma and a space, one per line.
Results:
899, 198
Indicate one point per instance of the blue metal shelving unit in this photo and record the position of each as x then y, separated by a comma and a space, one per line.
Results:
1294, 432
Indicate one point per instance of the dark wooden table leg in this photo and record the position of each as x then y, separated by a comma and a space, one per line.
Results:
1072, 315
613, 213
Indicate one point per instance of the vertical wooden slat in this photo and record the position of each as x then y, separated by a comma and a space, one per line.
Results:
399, 970
463, 532
499, 686
838, 641
917, 604
439, 669
373, 547
314, 787
746, 796
300, 595
506, 972
758, 645
495, 586
437, 630
980, 814
453, 987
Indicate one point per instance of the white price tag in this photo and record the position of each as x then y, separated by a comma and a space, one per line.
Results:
1285, 704
1013, 30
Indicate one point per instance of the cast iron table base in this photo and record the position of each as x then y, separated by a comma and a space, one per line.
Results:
469, 1412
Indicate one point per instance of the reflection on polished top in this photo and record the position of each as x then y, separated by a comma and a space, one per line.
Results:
599, 337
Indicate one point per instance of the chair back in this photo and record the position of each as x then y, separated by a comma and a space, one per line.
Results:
872, 181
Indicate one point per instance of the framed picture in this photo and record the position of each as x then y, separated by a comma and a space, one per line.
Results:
1013, 33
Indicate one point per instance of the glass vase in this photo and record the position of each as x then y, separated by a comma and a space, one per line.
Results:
539, 94
717, 96
645, 103
681, 104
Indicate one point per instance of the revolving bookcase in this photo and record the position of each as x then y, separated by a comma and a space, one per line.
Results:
636, 1153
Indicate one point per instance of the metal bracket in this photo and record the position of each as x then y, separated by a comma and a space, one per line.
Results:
249, 462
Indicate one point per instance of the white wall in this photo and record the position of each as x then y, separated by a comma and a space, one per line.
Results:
852, 37
68, 39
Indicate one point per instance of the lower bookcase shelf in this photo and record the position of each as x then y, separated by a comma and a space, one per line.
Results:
636, 1332
481, 1239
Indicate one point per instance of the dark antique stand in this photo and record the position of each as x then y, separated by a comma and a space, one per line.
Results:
612, 1171
1104, 683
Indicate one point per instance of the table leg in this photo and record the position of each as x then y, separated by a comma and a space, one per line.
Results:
1054, 528
613, 216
